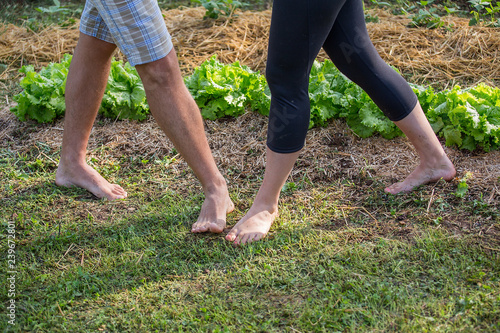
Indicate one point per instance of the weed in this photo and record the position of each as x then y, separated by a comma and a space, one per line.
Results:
427, 16
462, 185
485, 12
220, 8
289, 187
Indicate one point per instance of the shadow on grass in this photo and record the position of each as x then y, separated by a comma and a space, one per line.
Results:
132, 264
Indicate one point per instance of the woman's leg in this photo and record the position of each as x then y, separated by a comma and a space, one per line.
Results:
298, 31
257, 221
434, 163
352, 51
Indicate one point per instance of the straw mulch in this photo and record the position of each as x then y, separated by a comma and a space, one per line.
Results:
464, 54
20, 46
243, 38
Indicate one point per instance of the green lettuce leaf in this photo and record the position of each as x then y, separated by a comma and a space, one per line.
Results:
124, 97
43, 96
466, 118
227, 90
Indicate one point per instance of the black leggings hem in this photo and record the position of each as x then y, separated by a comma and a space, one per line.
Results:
407, 112
285, 151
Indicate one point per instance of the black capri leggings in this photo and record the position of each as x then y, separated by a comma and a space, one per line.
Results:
299, 28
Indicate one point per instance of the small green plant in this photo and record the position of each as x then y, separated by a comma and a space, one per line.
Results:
451, 10
218, 8
55, 9
462, 187
438, 220
427, 16
380, 3
289, 188
55, 14
370, 18
485, 12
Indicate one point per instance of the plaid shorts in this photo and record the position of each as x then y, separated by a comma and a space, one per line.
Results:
135, 26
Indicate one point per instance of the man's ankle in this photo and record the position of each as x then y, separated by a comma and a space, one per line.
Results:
216, 186
72, 159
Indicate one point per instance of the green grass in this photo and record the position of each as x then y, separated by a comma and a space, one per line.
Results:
133, 265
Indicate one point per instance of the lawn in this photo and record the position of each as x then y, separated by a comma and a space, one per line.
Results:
342, 256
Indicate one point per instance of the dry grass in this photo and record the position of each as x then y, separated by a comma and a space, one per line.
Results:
464, 54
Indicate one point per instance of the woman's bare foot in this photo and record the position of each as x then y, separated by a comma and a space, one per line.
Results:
434, 164
84, 176
253, 226
425, 173
213, 212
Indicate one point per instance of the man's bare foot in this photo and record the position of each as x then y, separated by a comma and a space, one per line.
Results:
86, 177
423, 174
213, 212
253, 226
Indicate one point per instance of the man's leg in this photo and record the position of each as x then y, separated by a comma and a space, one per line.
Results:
179, 117
87, 78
